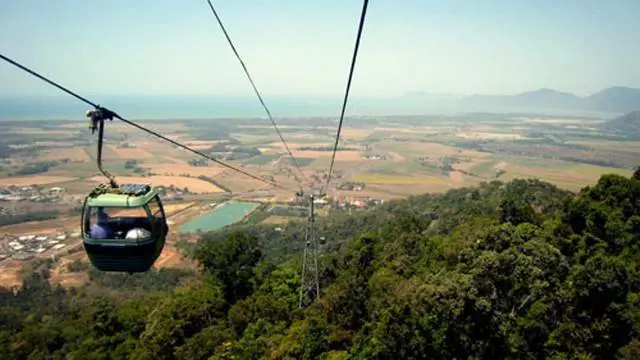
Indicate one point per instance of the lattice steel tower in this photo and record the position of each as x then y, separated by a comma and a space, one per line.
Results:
309, 280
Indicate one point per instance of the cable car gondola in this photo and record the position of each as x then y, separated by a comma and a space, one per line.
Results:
124, 227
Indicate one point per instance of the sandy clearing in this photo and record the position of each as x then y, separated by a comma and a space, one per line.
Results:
34, 180
172, 258
194, 185
61, 275
10, 274
456, 176
168, 258
73, 154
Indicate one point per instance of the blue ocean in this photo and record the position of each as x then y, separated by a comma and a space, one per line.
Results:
203, 107
183, 107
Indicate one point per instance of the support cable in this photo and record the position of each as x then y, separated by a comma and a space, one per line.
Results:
346, 94
255, 89
140, 127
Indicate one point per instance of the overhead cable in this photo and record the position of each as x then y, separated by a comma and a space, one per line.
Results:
255, 89
346, 94
140, 127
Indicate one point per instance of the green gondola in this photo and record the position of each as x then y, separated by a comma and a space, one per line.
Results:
124, 229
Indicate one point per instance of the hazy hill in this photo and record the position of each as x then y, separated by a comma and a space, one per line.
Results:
617, 98
545, 98
613, 99
628, 124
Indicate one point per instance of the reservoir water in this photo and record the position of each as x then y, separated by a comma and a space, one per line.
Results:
223, 215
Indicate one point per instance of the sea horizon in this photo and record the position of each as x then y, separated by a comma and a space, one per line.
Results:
167, 107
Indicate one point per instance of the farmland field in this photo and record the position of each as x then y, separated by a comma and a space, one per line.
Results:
194, 185
33, 180
210, 170
277, 219
406, 156
399, 180
132, 153
263, 159
73, 154
10, 276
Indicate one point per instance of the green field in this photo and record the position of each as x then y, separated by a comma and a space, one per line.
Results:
305, 161
595, 170
484, 168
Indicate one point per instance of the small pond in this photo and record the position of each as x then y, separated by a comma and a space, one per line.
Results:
225, 214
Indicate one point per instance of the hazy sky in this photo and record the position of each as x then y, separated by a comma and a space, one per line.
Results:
303, 47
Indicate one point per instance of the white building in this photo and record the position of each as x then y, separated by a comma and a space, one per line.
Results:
16, 245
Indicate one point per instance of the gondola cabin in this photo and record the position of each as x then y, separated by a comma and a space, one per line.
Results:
124, 228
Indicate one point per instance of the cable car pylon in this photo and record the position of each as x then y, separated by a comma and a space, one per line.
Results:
309, 279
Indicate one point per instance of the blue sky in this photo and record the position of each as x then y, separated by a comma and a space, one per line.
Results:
303, 47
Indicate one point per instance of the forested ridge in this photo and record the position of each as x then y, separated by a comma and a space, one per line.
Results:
518, 270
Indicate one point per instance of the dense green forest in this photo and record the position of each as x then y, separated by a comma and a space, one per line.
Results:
518, 270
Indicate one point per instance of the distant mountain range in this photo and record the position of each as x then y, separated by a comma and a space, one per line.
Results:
614, 99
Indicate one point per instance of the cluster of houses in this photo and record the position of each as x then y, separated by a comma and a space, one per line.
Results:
362, 203
26, 246
33, 193
351, 186
172, 193
375, 157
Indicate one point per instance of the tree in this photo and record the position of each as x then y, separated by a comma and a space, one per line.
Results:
516, 212
231, 260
